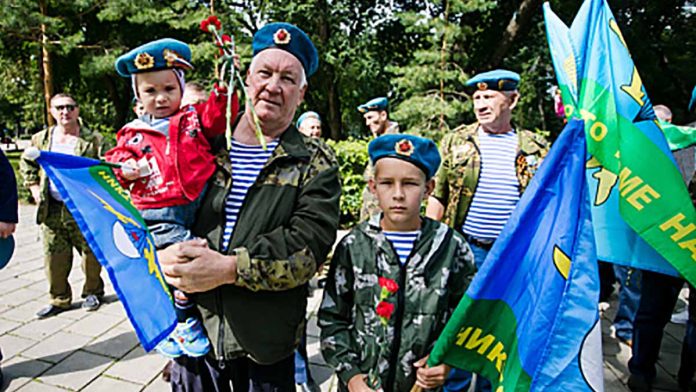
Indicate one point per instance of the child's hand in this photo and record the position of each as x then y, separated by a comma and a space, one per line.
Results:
129, 170
430, 377
357, 384
236, 62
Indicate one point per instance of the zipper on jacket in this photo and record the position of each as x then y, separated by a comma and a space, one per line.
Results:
400, 305
221, 330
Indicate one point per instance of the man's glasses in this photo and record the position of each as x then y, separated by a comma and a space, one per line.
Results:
69, 108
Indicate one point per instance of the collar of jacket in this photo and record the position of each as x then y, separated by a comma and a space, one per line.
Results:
529, 143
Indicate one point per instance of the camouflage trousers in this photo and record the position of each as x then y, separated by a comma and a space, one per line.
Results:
60, 236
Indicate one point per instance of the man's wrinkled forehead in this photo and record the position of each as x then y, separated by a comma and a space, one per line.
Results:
280, 59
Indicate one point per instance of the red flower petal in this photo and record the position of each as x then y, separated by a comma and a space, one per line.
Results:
388, 284
215, 21
385, 309
204, 25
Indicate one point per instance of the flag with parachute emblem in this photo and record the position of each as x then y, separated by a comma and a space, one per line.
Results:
529, 320
119, 239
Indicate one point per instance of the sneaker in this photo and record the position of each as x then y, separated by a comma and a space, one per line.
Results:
170, 347
192, 339
604, 306
49, 311
91, 303
681, 317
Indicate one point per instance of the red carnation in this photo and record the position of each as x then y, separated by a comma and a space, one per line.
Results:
211, 22
385, 310
226, 41
388, 284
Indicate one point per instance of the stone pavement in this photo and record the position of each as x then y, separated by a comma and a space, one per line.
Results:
98, 351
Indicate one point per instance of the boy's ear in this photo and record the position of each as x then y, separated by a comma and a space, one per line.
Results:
372, 185
429, 187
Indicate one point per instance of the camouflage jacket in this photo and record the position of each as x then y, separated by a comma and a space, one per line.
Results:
457, 179
89, 144
284, 230
431, 283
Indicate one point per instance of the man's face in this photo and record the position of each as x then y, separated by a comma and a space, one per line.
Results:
376, 121
311, 127
65, 111
400, 188
160, 93
274, 86
193, 97
493, 108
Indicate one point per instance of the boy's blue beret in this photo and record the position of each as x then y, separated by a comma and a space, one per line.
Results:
419, 151
692, 103
154, 56
498, 79
378, 104
306, 115
289, 38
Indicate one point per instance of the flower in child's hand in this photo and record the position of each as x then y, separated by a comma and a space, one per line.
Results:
210, 24
384, 311
388, 284
225, 42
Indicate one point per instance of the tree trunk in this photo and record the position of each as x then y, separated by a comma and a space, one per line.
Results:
46, 66
443, 66
333, 120
517, 26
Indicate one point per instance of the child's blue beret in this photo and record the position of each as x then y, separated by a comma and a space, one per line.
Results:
153, 56
289, 38
378, 104
419, 151
692, 103
499, 80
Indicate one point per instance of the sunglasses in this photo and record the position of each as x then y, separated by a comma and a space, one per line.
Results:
69, 108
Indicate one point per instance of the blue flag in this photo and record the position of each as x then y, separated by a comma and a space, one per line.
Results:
119, 239
529, 319
616, 241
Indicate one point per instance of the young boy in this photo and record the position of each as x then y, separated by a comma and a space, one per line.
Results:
168, 161
395, 279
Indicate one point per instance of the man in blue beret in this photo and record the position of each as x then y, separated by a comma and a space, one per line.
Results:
267, 221
485, 168
309, 124
375, 257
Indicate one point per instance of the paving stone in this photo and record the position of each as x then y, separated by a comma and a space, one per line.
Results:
14, 283
36, 386
105, 383
138, 367
115, 343
20, 296
57, 347
18, 371
41, 329
95, 324
314, 352
12, 345
312, 328
76, 371
612, 382
158, 385
8, 325
24, 312
324, 377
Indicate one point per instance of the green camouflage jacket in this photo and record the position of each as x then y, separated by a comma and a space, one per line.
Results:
89, 144
284, 230
431, 284
457, 179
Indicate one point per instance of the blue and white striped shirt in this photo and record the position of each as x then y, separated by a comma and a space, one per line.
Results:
498, 189
402, 241
247, 162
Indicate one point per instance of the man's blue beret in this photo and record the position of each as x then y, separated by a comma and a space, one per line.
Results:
498, 79
306, 115
164, 53
289, 38
419, 151
692, 103
378, 104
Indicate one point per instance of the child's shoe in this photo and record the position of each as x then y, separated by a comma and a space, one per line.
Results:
192, 339
169, 347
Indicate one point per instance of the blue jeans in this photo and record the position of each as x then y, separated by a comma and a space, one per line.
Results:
459, 380
629, 299
660, 293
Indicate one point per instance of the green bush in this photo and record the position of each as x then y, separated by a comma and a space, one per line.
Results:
352, 158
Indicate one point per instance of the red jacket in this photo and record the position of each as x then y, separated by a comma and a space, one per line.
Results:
181, 163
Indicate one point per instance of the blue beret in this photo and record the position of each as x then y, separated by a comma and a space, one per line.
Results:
289, 38
164, 53
498, 79
419, 151
692, 103
307, 115
374, 104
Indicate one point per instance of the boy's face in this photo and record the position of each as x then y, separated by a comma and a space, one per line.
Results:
400, 188
160, 93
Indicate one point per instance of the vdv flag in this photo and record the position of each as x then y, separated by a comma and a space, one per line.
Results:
529, 319
595, 44
119, 239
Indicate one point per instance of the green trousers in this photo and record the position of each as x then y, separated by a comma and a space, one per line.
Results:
60, 236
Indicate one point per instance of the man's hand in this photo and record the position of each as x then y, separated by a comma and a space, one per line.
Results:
357, 384
35, 193
6, 229
193, 267
129, 170
430, 377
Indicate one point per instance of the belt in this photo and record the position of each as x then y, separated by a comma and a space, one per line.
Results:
481, 243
